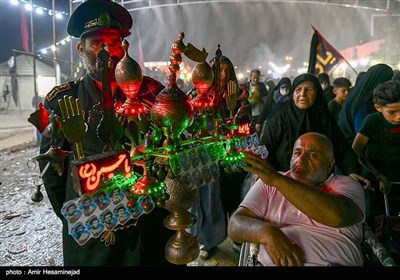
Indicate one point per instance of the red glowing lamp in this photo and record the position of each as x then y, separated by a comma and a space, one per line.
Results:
202, 101
202, 78
130, 108
129, 78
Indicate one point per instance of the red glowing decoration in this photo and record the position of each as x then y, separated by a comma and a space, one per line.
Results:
244, 129
93, 170
202, 101
129, 78
202, 78
40, 118
146, 183
133, 108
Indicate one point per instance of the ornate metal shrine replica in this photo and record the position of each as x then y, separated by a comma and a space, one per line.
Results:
170, 167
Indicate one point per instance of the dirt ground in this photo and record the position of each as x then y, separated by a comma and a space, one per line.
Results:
30, 233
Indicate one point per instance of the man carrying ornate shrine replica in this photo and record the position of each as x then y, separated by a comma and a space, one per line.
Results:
84, 110
96, 129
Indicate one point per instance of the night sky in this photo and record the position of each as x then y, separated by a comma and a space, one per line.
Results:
250, 34
10, 19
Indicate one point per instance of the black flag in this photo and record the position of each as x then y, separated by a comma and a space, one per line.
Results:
323, 56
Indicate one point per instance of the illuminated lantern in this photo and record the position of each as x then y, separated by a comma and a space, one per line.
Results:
172, 110
129, 78
202, 78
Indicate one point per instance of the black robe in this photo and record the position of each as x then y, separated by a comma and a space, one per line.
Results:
283, 129
359, 96
271, 105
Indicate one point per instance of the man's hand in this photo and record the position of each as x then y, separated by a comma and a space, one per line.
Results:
282, 251
260, 167
364, 181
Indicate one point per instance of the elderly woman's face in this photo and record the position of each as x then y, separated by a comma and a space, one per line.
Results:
304, 95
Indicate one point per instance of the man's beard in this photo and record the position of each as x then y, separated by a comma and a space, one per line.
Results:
93, 68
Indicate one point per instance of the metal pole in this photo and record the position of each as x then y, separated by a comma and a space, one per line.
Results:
56, 67
35, 101
71, 48
388, 21
32, 35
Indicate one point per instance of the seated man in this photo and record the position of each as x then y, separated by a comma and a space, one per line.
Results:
306, 216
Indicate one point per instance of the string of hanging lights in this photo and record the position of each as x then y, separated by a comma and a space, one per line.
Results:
42, 11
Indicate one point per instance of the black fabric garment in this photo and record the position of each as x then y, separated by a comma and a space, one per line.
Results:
128, 249
396, 75
334, 109
359, 95
328, 94
383, 147
270, 86
283, 129
275, 101
231, 188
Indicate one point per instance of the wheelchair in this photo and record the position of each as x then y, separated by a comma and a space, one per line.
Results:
390, 196
248, 254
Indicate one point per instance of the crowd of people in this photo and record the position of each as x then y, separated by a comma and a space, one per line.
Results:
334, 152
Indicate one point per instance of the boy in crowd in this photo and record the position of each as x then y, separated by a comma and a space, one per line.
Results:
341, 87
377, 144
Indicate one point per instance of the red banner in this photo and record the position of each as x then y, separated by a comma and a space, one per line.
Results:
24, 31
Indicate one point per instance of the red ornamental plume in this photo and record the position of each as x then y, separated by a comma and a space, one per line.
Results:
40, 118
